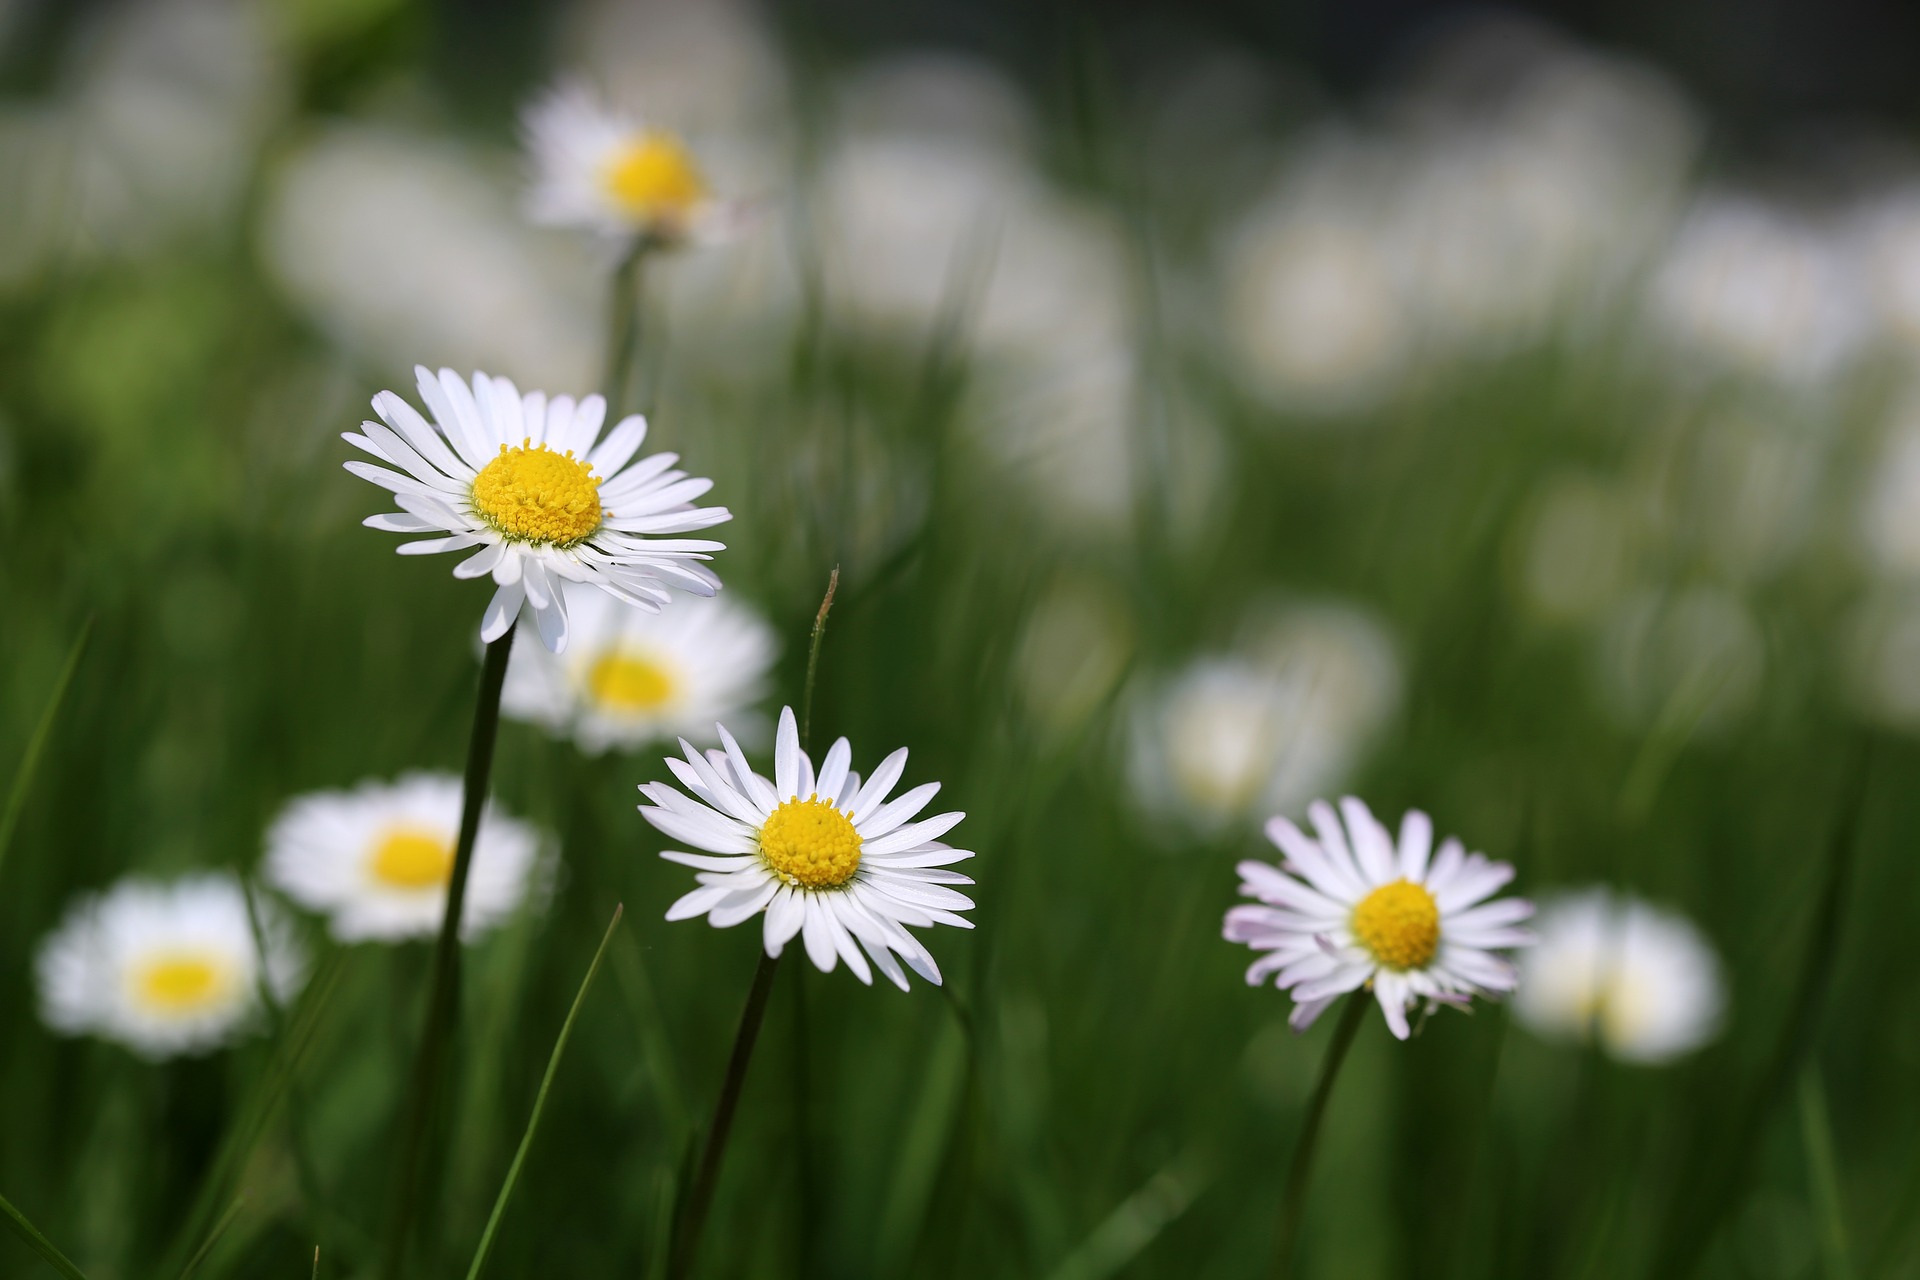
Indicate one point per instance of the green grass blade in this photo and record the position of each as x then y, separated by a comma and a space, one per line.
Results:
39, 1243
213, 1237
540, 1102
922, 1151
1823, 1171
1136, 1221
30, 760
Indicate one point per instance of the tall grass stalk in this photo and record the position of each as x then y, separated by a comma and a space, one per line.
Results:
1824, 1173
37, 1242
443, 995
37, 744
540, 1102
1293, 1200
623, 324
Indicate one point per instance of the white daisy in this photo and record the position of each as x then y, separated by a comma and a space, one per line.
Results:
822, 855
1350, 910
603, 169
376, 860
1641, 981
630, 678
165, 968
523, 479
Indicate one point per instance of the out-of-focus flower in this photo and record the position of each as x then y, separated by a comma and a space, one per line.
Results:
1640, 981
1890, 515
1888, 230
1352, 909
1751, 290
602, 169
399, 243
1233, 736
1576, 551
1072, 651
530, 482
165, 968
631, 677
376, 860
1690, 659
708, 65
822, 856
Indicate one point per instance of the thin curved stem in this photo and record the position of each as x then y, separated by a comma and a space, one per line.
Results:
813, 660
623, 326
1293, 1200
443, 995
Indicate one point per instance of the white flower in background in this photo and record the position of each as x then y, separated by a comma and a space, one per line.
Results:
1888, 230
1073, 649
1231, 737
1755, 291
1642, 982
165, 968
380, 237
524, 481
823, 856
602, 169
711, 65
1353, 909
1890, 514
630, 677
1576, 551
376, 860
1692, 659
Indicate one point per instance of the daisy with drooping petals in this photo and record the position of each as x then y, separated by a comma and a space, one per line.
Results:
629, 678
1639, 980
1351, 909
602, 169
522, 479
376, 860
165, 969
823, 856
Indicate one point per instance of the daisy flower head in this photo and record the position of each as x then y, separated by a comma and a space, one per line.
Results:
166, 968
1640, 981
530, 486
630, 678
603, 169
1352, 908
821, 855
376, 860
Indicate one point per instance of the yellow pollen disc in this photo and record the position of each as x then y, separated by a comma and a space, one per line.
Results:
1400, 924
532, 494
181, 982
810, 844
629, 682
653, 177
412, 858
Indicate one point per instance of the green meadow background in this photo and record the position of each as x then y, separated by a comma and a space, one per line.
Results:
1095, 1092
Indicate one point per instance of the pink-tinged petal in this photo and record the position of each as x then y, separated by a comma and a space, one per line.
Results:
1416, 844
1390, 990
1478, 879
786, 757
1372, 847
1333, 839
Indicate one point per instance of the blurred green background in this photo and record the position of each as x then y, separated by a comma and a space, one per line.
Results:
1561, 454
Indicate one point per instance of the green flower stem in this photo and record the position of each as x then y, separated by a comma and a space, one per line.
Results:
686, 1240
1293, 1200
443, 995
623, 325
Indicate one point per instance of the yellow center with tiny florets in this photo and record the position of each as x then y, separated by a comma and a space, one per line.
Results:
1400, 924
629, 682
654, 177
181, 982
412, 858
810, 844
532, 494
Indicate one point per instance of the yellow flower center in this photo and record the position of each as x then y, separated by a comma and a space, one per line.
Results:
629, 682
810, 844
181, 982
1400, 924
653, 177
412, 858
532, 494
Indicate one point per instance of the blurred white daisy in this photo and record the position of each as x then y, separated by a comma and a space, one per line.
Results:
523, 479
1351, 909
165, 968
376, 860
602, 169
1642, 982
630, 677
823, 856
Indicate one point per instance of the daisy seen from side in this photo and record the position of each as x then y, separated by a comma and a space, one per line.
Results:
821, 855
1352, 909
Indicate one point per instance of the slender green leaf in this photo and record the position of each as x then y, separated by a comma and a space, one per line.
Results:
540, 1102
39, 1243
1823, 1172
1136, 1221
30, 760
213, 1237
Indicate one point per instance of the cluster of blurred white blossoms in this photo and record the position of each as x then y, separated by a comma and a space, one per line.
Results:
376, 860
1638, 980
1287, 715
167, 968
